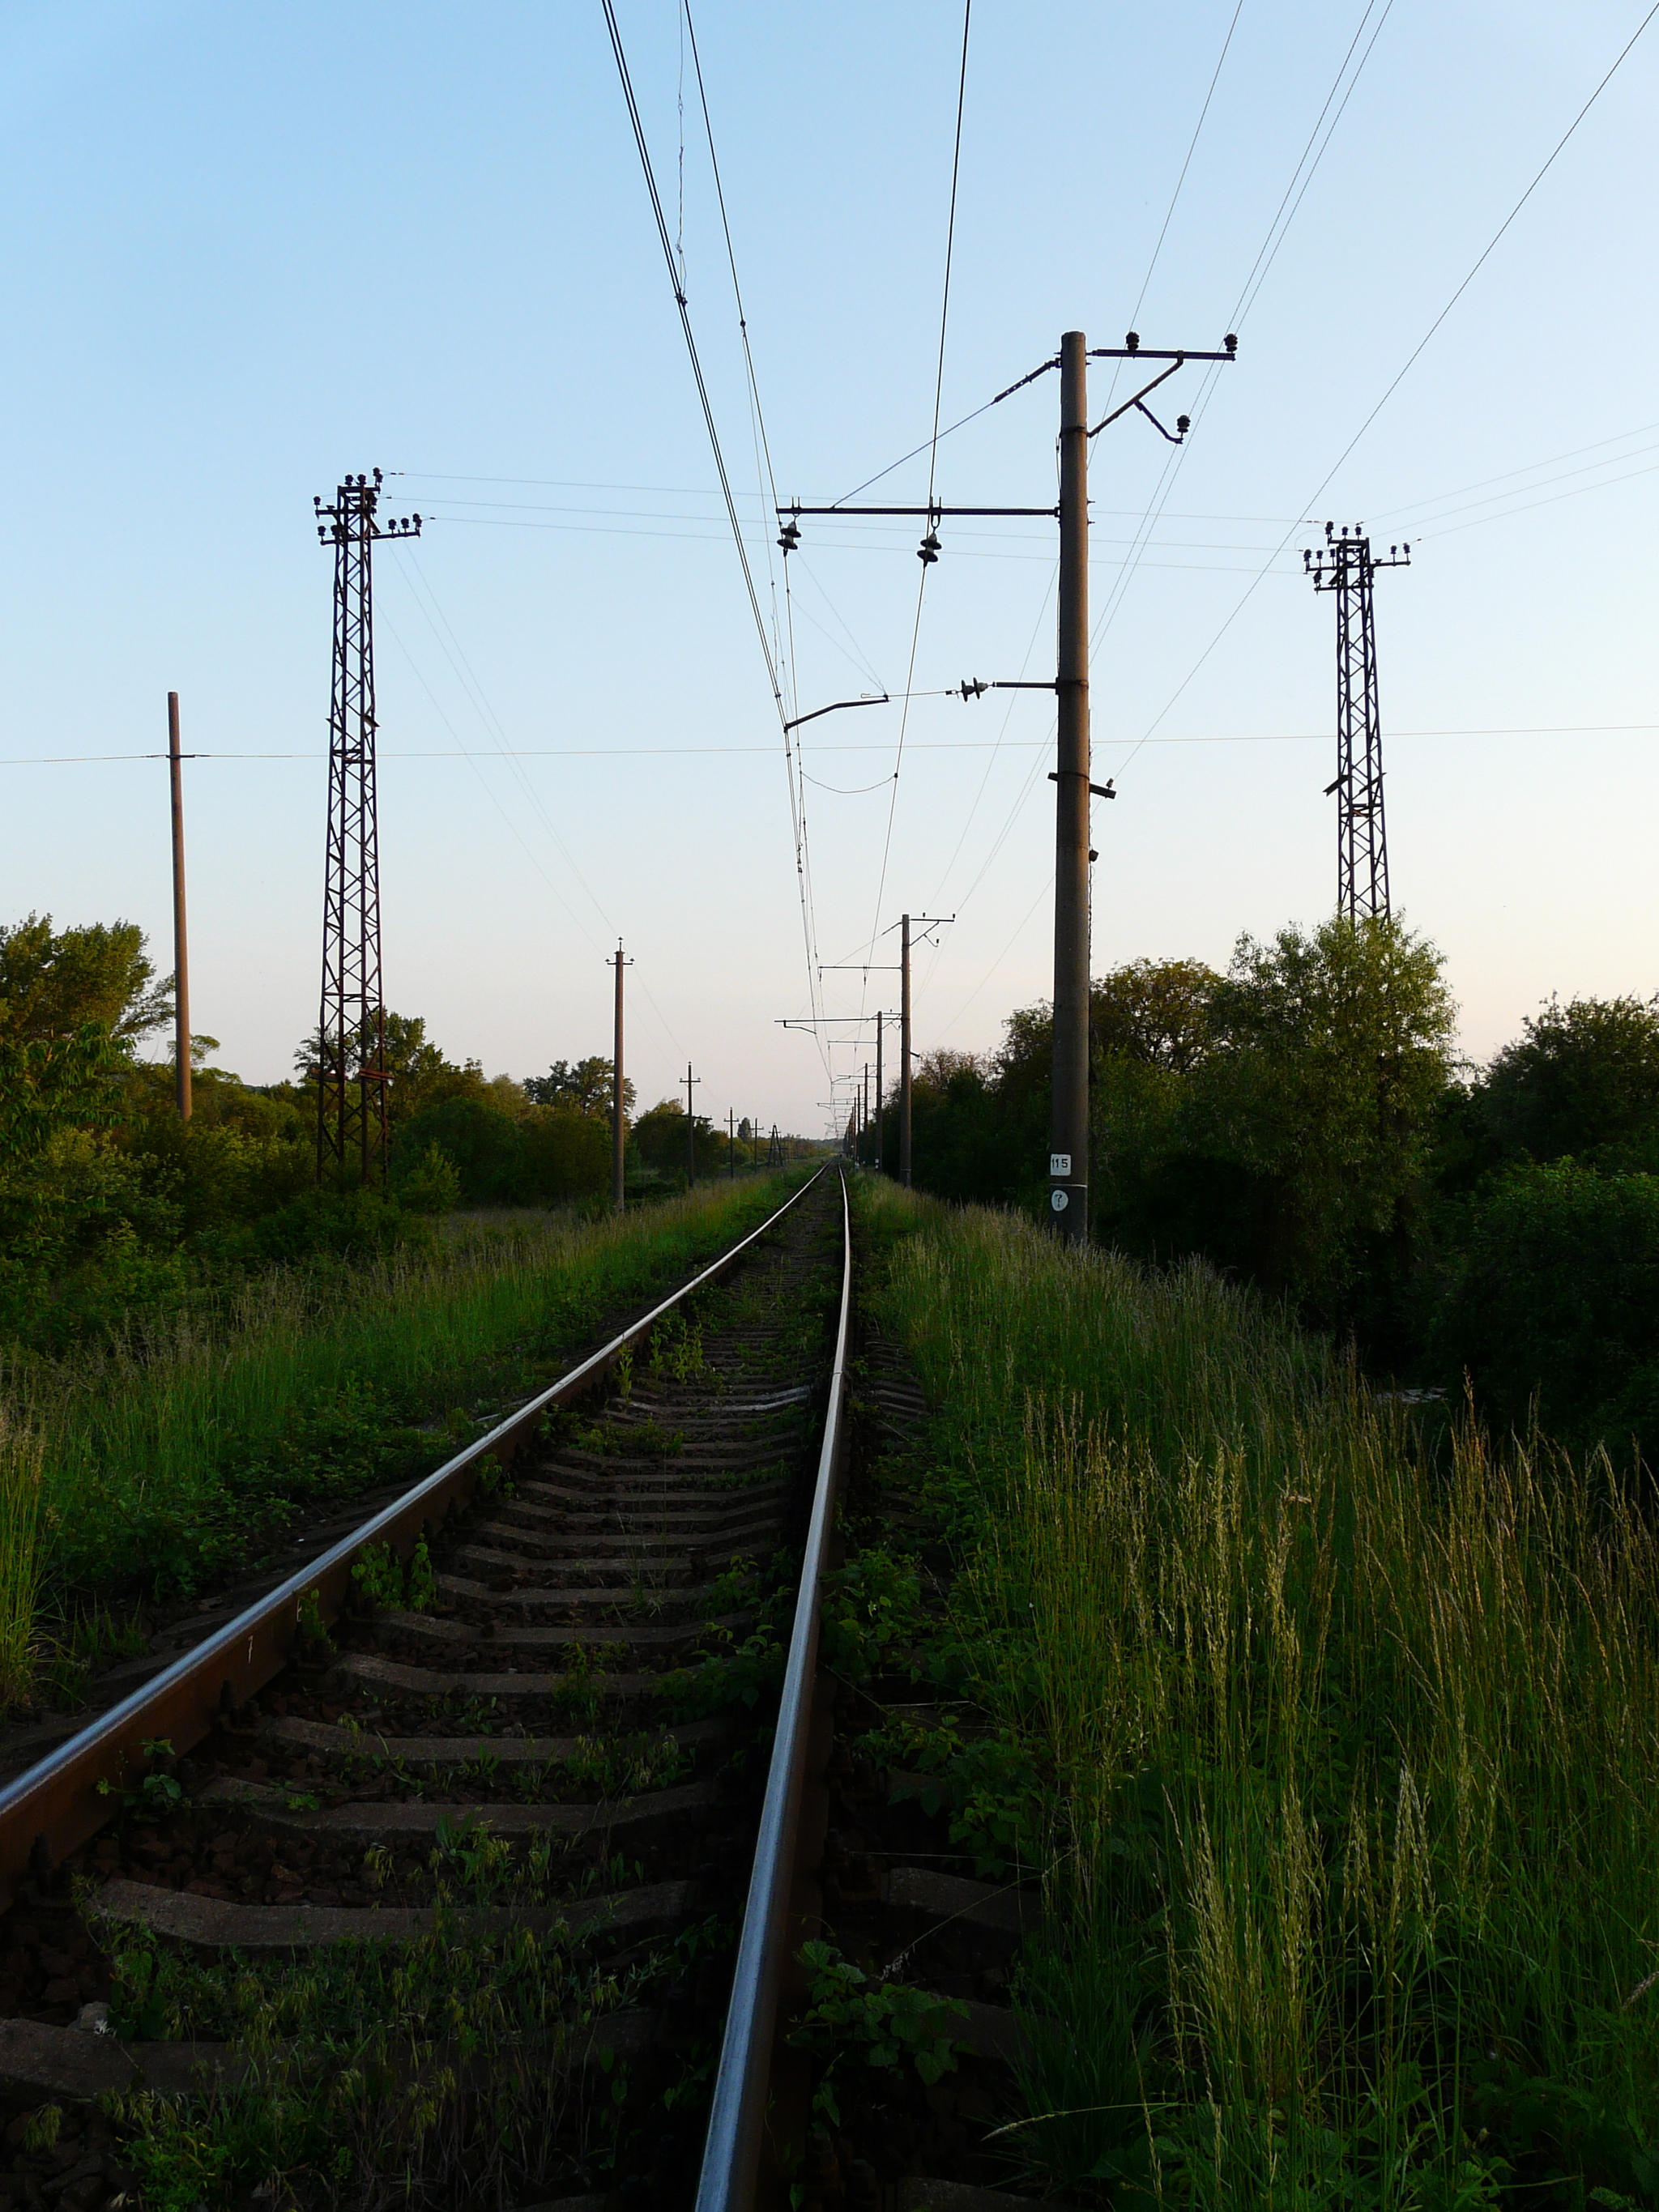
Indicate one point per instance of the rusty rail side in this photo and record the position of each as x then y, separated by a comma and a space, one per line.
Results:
55, 1805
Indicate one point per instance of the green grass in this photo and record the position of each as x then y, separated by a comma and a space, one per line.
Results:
160, 1456
1339, 1757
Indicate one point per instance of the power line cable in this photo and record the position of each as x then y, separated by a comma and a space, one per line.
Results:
1169, 213
467, 676
1041, 745
1268, 253
932, 465
996, 744
1409, 361
767, 483
720, 469
1265, 256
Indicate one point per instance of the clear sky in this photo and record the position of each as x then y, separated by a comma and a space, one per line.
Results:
250, 248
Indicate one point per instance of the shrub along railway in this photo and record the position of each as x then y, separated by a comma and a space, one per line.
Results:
427, 1879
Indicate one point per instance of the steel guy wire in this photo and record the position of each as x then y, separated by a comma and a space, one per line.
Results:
472, 759
852, 653
934, 441
1270, 244
996, 749
987, 974
765, 481
1476, 522
1431, 523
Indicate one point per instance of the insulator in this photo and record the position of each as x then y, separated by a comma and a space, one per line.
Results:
927, 552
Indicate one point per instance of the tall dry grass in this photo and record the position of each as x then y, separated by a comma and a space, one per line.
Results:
20, 1557
1354, 1859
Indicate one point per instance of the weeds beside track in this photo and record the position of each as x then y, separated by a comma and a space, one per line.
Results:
443, 1914
162, 1456
1340, 1753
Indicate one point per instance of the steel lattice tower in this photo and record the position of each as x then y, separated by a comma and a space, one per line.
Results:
352, 1114
1344, 564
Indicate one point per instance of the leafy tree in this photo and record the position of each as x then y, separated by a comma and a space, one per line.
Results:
54, 984
566, 1156
1553, 1299
585, 1088
1584, 1079
660, 1141
1155, 1012
86, 1241
432, 1186
56, 1083
533, 1156
1314, 1099
484, 1145
419, 1073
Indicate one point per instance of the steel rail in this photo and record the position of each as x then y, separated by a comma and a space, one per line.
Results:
737, 2120
55, 1805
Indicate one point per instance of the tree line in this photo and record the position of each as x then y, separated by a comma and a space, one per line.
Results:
1302, 1122
110, 1206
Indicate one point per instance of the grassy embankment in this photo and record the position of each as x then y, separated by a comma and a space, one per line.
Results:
1340, 1764
145, 1468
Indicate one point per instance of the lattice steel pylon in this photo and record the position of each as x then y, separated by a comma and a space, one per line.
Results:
1344, 564
351, 1076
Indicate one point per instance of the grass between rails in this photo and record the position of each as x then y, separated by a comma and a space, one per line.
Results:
148, 1466
1339, 1757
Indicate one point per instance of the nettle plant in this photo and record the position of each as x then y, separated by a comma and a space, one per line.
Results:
851, 2018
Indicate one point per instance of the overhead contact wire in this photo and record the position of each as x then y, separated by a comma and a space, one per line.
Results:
681, 304
933, 468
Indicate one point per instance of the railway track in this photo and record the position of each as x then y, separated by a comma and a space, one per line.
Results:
471, 1865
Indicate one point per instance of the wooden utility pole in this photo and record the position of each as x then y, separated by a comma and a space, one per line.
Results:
731, 1143
691, 1129
1068, 1120
618, 1119
180, 940
904, 1054
1068, 1133
879, 1170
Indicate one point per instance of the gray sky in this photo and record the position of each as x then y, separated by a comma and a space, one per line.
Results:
250, 249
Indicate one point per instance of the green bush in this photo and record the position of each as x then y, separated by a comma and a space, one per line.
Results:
1583, 1082
1555, 1296
432, 1185
86, 1241
365, 1224
541, 1156
566, 1156
485, 1147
